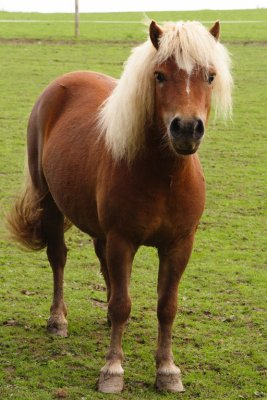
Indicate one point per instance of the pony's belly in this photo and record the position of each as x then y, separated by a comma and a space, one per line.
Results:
82, 213
89, 224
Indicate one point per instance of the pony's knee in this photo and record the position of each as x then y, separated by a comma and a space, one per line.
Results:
167, 308
119, 308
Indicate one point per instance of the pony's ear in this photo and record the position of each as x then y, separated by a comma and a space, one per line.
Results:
155, 32
215, 30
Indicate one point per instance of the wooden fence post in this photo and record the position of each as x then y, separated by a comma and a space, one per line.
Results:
77, 19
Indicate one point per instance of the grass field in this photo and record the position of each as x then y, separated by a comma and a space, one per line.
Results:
220, 331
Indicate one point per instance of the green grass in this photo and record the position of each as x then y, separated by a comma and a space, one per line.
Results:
220, 332
60, 26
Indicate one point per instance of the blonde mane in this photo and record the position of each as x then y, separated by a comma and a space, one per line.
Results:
123, 116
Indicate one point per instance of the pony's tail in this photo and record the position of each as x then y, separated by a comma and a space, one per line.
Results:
24, 220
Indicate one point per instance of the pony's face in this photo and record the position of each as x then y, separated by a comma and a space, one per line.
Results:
182, 96
182, 102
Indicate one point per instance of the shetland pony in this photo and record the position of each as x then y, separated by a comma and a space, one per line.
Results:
118, 160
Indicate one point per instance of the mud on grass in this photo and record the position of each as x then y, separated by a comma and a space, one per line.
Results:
220, 331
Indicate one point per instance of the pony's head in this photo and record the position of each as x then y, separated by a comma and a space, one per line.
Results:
167, 85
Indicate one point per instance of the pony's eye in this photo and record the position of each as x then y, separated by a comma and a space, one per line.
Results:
159, 77
210, 78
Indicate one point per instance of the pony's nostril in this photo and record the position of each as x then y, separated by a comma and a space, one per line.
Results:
198, 129
175, 127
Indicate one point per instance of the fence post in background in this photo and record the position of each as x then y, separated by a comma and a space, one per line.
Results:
77, 19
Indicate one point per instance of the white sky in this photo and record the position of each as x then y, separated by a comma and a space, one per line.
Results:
127, 5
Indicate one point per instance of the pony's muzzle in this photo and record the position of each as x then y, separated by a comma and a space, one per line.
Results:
186, 134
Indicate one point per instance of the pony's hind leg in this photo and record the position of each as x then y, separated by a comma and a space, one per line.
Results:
100, 250
36, 223
53, 225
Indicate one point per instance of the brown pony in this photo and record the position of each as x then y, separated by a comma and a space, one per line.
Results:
118, 160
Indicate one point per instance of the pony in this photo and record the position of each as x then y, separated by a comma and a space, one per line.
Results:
118, 159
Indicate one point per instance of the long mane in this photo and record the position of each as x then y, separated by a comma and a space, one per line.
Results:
124, 115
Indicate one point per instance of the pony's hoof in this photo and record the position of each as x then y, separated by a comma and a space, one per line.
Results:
109, 383
169, 383
59, 328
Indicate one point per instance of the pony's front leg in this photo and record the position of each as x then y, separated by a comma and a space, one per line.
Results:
172, 264
119, 254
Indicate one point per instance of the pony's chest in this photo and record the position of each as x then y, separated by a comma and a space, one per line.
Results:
151, 202
152, 213
173, 214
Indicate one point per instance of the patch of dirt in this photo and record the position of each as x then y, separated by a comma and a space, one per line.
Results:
11, 322
99, 303
61, 394
97, 287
